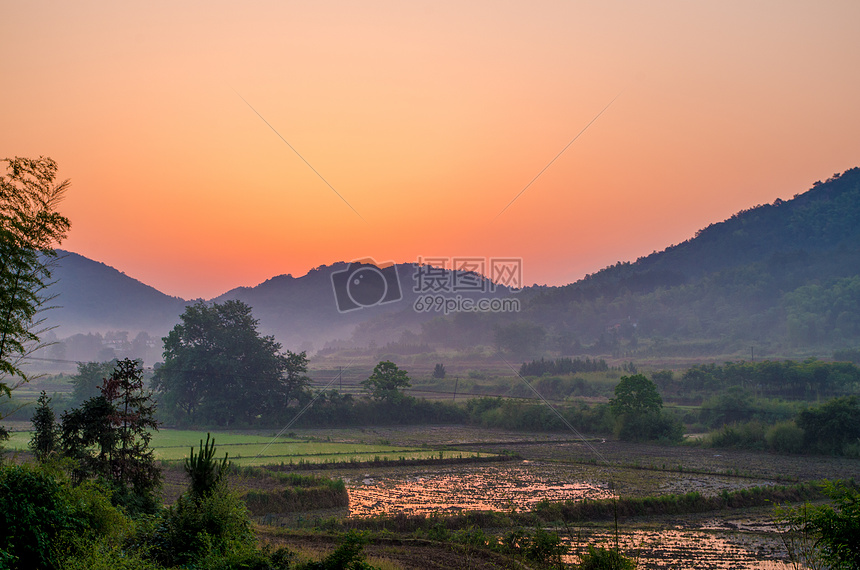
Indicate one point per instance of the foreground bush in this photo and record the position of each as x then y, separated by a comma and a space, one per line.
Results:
828, 533
348, 555
44, 519
784, 437
197, 527
605, 559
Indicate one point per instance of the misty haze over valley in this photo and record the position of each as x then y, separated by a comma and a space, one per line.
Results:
782, 278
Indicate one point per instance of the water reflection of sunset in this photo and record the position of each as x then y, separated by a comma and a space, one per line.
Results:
467, 489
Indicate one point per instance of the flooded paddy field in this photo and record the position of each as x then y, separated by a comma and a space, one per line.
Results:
507, 486
558, 467
748, 540
453, 489
684, 549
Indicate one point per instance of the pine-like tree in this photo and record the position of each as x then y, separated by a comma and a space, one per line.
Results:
119, 424
45, 429
204, 471
132, 462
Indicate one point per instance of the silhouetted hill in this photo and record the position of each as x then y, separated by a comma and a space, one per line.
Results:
303, 311
781, 273
825, 218
92, 296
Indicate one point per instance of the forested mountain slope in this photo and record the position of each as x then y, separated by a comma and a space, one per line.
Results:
786, 273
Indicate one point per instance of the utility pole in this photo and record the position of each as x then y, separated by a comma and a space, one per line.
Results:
456, 384
340, 379
752, 353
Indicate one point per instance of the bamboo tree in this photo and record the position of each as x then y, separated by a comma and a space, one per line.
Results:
30, 227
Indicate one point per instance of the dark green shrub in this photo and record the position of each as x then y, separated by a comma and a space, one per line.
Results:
101, 555
33, 516
833, 426
197, 527
43, 518
784, 437
545, 548
439, 532
747, 435
349, 555
605, 559
648, 427
248, 558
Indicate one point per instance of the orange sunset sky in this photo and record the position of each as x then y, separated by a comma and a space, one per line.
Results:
428, 118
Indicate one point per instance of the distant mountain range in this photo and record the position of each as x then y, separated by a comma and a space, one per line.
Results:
784, 275
300, 312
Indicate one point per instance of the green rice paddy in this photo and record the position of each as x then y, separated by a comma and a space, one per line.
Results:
254, 449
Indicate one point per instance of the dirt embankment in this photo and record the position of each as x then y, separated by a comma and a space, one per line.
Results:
405, 553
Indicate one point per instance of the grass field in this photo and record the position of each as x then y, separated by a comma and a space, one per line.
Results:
254, 449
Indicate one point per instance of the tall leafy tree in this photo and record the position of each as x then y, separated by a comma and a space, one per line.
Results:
386, 382
88, 381
638, 409
30, 228
218, 368
635, 395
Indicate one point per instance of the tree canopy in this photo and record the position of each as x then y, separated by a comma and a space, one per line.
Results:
30, 227
829, 428
109, 435
88, 381
219, 369
386, 382
635, 395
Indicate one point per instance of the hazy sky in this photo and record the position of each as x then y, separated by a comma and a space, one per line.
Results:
428, 118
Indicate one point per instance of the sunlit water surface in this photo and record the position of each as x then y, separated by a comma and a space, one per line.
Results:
504, 488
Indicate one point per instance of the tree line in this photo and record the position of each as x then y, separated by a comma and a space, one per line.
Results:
562, 366
805, 380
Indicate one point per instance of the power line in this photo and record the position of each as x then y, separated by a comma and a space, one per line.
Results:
301, 157
573, 140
